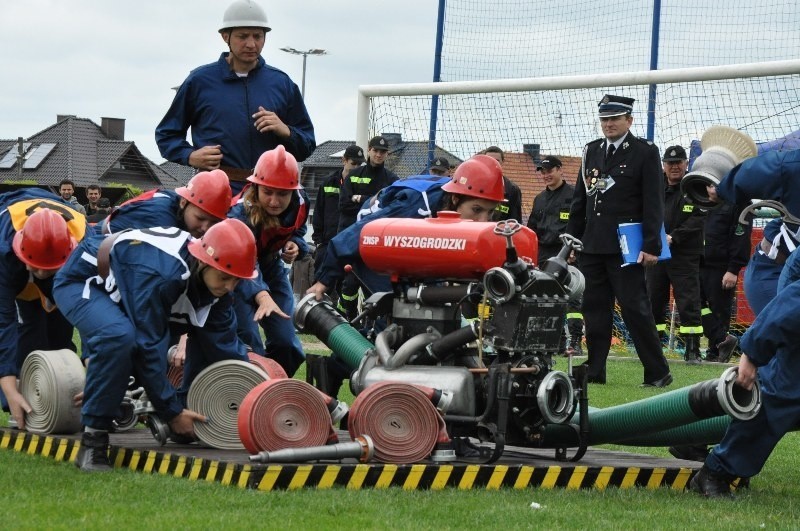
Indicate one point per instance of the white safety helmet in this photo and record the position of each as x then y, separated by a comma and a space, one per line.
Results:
244, 14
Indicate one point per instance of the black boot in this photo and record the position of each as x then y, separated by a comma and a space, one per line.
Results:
711, 484
726, 347
93, 453
692, 353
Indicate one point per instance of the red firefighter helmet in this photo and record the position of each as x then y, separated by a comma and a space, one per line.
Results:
228, 246
209, 191
277, 168
44, 242
481, 176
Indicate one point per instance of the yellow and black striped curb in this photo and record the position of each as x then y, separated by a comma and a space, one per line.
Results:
359, 476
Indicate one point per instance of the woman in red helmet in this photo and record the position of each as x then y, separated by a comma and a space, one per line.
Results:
474, 190
275, 207
38, 231
126, 293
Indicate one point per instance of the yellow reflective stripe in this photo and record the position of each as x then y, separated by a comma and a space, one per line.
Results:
575, 315
688, 208
502, 208
690, 330
349, 297
661, 327
705, 311
330, 190
563, 216
360, 180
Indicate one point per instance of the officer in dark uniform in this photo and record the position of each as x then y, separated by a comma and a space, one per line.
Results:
727, 250
683, 223
362, 183
440, 166
326, 208
620, 181
511, 208
548, 219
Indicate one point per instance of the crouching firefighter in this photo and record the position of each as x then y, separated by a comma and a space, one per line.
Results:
125, 292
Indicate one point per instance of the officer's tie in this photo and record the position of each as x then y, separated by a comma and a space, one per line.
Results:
610, 153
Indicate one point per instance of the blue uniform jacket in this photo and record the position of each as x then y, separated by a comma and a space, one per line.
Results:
771, 175
157, 208
14, 275
771, 342
415, 197
218, 105
150, 284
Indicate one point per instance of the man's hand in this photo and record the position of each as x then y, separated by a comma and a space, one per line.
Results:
646, 259
747, 373
318, 289
269, 122
729, 280
290, 252
206, 158
267, 306
16, 402
183, 424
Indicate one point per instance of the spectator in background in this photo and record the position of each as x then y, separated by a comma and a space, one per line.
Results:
238, 107
326, 208
440, 167
620, 181
548, 219
683, 223
511, 208
66, 189
362, 183
93, 192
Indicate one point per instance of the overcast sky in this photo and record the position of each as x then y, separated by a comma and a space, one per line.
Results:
113, 58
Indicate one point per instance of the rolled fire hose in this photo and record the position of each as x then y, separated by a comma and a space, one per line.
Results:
49, 380
284, 413
401, 420
217, 392
268, 365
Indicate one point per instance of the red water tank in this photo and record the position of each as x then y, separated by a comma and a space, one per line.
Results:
445, 247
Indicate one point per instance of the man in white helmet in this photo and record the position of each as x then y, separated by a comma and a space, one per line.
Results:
238, 107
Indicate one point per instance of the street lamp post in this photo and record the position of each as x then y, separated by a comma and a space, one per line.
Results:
305, 54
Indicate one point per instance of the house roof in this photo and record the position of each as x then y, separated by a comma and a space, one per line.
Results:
81, 151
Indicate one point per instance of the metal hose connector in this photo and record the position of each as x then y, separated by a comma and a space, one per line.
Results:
361, 448
283, 413
217, 392
49, 380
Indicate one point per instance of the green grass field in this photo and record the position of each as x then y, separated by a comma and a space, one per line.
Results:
40, 493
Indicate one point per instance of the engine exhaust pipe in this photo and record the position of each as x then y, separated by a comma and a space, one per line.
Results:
361, 448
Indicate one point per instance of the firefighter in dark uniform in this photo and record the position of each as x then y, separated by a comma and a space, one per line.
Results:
361, 184
511, 208
620, 181
683, 223
727, 250
326, 209
548, 219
